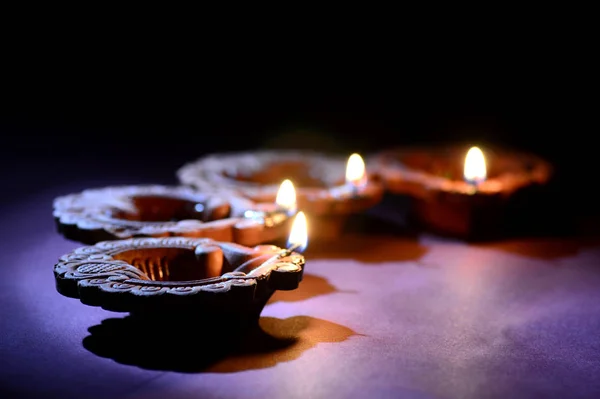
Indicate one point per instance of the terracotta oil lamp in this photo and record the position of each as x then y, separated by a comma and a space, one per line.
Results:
329, 188
469, 196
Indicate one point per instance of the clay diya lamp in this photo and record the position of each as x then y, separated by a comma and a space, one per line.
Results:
115, 213
329, 189
471, 199
182, 277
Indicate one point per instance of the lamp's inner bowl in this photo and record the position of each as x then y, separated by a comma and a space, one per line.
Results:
449, 163
300, 173
154, 208
174, 264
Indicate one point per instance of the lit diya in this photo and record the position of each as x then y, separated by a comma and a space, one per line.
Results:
183, 276
115, 213
459, 192
328, 188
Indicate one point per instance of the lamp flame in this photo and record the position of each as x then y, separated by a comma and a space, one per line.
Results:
355, 171
475, 170
299, 234
286, 196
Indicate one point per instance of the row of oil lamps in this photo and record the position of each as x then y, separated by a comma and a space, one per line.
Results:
474, 172
121, 274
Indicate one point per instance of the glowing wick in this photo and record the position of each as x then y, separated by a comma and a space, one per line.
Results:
286, 196
298, 238
475, 170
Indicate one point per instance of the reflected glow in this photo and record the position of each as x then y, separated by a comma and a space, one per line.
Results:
355, 171
299, 233
475, 170
286, 196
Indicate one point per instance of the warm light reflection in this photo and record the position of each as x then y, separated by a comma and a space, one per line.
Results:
355, 171
299, 233
475, 169
286, 196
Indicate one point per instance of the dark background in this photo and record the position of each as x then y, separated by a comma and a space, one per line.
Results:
104, 116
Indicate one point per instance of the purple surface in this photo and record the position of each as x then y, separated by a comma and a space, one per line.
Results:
375, 317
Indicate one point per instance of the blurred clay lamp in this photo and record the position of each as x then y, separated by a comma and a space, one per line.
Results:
331, 208
329, 188
266, 222
462, 195
356, 178
221, 283
357, 193
121, 212
284, 207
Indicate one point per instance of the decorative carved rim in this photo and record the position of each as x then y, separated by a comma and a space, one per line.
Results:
400, 178
94, 275
92, 211
219, 171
